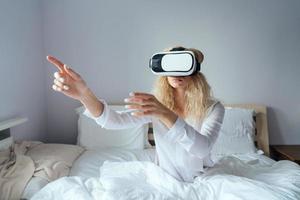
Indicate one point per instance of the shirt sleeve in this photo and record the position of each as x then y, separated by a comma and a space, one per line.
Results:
198, 142
111, 119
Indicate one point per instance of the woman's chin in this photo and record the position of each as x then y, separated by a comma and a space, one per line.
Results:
178, 86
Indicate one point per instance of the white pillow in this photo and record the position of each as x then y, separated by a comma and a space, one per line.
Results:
6, 143
237, 133
93, 136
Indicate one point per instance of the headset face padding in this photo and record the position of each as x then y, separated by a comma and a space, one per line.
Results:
174, 63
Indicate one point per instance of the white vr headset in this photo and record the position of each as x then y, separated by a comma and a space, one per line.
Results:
177, 62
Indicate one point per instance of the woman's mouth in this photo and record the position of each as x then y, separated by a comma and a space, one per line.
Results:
178, 79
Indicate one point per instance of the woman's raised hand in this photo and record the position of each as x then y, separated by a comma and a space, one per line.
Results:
67, 81
147, 104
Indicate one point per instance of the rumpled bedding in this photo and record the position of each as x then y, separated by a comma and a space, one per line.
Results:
53, 161
231, 178
28, 159
16, 169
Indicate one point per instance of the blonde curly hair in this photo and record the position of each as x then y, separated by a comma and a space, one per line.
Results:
197, 95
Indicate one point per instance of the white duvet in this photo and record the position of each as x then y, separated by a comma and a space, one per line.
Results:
230, 179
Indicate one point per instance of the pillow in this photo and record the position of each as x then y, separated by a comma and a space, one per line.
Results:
6, 143
53, 160
93, 136
236, 134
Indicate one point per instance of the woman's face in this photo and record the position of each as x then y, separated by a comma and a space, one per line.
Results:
179, 82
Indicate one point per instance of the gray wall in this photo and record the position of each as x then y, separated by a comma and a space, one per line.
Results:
22, 71
252, 53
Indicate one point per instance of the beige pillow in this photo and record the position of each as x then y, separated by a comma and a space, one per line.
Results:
53, 160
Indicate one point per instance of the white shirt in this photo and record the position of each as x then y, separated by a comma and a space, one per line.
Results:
183, 149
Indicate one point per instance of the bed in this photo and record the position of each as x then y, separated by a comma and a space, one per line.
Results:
119, 172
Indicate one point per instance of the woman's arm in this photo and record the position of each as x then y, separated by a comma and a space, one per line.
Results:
198, 142
92, 104
111, 119
70, 83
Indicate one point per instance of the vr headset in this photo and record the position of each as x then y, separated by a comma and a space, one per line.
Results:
177, 62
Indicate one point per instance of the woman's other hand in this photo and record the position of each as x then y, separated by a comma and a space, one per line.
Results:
67, 80
147, 104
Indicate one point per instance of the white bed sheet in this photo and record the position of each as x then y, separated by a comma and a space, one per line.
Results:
257, 177
88, 164
254, 158
33, 186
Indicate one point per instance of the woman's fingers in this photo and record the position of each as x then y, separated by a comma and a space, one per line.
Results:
139, 107
71, 72
65, 87
58, 83
143, 113
62, 68
141, 95
138, 100
56, 62
59, 86
142, 105
58, 76
60, 89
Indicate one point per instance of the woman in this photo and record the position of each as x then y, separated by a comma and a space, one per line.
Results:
186, 119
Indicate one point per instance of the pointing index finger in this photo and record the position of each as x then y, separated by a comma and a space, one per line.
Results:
56, 62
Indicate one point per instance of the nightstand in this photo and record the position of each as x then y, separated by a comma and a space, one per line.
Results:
286, 152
